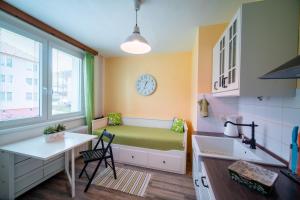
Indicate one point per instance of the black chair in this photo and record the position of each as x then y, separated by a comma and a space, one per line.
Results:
99, 154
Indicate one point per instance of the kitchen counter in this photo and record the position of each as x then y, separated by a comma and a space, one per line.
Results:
225, 188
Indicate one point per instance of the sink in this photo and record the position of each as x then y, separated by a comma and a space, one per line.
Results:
232, 149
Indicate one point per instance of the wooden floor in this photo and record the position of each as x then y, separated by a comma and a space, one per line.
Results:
162, 186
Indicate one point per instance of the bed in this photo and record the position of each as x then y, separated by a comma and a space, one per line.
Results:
146, 142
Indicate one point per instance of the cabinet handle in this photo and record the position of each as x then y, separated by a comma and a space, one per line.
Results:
224, 82
196, 182
215, 83
202, 180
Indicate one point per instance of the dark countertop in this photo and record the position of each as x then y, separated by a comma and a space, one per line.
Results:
226, 189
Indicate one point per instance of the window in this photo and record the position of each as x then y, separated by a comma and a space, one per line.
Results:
23, 51
28, 96
9, 96
40, 77
2, 78
28, 81
8, 61
66, 70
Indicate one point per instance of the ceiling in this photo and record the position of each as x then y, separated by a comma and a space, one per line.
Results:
168, 25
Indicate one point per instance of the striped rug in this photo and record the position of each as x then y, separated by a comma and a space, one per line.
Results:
128, 181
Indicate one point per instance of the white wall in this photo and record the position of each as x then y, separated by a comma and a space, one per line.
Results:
217, 109
276, 117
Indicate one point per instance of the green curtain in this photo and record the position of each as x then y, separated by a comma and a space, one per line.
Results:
89, 89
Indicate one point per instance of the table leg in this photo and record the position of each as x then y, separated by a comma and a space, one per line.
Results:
73, 173
71, 178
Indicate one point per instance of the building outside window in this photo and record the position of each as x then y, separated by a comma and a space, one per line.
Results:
2, 78
65, 82
28, 81
28, 96
8, 61
2, 60
9, 96
10, 78
2, 96
18, 51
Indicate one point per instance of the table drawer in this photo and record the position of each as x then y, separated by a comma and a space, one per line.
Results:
20, 158
28, 179
160, 161
54, 166
26, 166
133, 156
54, 158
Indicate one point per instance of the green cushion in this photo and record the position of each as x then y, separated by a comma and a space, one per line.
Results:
178, 125
114, 119
145, 137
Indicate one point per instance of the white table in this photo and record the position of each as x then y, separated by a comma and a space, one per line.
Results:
38, 148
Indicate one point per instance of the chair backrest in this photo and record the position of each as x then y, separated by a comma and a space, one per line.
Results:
109, 136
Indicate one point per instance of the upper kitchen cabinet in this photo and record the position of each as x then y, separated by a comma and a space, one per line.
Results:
258, 38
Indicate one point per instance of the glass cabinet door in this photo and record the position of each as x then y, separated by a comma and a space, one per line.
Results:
233, 66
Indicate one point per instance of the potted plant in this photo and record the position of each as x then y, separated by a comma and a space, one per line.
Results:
53, 133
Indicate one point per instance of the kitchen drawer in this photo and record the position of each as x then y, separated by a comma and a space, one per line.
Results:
54, 158
20, 158
28, 179
54, 166
133, 156
26, 166
160, 161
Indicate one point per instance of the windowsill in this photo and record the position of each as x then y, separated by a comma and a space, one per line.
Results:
38, 125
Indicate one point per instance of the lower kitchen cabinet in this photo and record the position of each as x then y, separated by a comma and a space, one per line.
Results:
201, 181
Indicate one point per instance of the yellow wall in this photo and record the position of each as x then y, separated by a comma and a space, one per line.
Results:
172, 96
208, 36
194, 81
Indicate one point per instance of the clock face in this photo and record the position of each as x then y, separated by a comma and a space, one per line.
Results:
146, 84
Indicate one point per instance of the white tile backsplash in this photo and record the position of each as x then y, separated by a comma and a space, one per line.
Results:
276, 117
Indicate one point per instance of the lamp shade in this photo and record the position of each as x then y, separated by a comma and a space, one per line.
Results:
135, 43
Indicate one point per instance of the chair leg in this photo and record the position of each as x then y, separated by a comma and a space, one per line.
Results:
113, 165
83, 170
92, 177
105, 160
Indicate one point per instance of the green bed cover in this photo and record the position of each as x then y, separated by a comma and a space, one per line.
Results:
152, 138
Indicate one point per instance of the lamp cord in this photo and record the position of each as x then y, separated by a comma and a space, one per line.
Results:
136, 17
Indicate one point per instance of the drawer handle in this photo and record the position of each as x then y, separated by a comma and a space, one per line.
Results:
132, 157
164, 162
196, 183
202, 180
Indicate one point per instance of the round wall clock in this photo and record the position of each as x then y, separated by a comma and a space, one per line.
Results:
146, 85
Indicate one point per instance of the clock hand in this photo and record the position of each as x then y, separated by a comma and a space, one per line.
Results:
145, 84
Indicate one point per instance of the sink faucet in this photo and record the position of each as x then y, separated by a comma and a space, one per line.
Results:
251, 141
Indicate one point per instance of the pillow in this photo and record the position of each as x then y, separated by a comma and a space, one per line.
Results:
114, 119
178, 125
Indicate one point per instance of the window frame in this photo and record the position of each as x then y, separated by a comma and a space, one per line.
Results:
55, 45
45, 86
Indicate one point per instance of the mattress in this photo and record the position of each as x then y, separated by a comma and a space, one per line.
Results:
145, 137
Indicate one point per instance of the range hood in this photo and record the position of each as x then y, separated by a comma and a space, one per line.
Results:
289, 70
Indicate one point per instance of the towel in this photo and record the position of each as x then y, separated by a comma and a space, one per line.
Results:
203, 103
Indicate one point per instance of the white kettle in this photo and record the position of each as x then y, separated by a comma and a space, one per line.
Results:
230, 129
